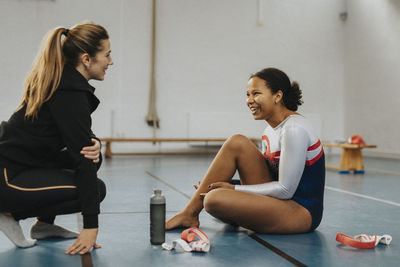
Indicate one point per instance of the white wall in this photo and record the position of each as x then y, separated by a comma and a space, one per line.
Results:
372, 64
206, 51
128, 22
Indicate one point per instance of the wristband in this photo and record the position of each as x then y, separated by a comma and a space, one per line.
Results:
188, 242
363, 241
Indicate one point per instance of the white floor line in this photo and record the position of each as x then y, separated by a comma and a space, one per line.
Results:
363, 196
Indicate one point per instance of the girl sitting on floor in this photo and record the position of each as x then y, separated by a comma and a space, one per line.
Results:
282, 187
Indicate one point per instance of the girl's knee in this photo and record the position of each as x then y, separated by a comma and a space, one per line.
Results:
213, 201
237, 142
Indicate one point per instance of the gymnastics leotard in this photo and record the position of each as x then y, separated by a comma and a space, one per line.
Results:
296, 160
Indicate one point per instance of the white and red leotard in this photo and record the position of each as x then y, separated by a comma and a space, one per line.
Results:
296, 160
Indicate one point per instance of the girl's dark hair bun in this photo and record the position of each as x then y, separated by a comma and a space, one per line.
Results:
277, 80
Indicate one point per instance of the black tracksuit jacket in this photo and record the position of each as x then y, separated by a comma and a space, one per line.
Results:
63, 122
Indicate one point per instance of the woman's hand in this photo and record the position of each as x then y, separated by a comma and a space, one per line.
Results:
92, 152
85, 241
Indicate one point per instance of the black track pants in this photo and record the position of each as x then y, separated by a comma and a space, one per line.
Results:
42, 193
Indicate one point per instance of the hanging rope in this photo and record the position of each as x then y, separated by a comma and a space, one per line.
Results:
152, 117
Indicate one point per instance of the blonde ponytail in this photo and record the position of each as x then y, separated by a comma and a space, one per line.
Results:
45, 76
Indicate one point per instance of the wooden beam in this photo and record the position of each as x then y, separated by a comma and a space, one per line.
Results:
108, 152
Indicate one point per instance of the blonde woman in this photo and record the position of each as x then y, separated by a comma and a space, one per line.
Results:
49, 156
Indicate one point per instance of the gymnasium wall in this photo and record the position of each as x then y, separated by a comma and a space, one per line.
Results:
206, 51
372, 64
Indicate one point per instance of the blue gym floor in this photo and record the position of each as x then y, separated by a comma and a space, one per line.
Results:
354, 204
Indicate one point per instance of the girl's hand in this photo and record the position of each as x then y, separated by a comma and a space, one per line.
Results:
92, 152
84, 243
220, 185
216, 185
196, 186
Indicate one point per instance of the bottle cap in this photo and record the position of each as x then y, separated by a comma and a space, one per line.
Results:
157, 191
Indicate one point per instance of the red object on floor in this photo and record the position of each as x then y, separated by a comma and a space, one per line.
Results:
364, 242
356, 139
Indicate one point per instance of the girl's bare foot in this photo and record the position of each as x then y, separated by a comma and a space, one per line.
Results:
182, 220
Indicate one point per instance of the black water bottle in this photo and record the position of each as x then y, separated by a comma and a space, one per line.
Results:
157, 218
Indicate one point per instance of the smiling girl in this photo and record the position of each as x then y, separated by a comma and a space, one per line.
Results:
49, 156
281, 188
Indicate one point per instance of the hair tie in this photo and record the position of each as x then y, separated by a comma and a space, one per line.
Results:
65, 32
